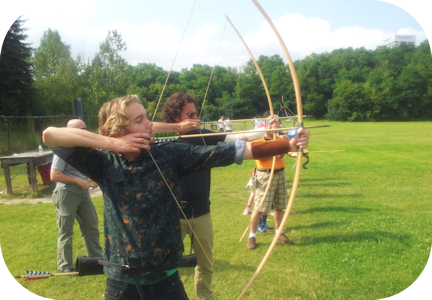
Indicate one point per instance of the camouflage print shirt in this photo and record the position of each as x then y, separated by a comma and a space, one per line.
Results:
141, 218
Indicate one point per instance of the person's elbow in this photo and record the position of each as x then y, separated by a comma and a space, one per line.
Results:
55, 175
54, 178
243, 137
47, 137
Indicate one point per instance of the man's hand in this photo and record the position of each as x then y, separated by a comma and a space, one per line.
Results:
130, 143
298, 141
85, 184
274, 123
94, 184
188, 125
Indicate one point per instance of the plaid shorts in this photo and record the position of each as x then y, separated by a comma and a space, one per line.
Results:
277, 193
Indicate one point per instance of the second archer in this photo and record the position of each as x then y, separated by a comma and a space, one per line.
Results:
195, 188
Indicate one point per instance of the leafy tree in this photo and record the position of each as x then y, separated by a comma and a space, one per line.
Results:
196, 81
16, 73
412, 93
345, 84
106, 77
250, 95
316, 75
114, 67
55, 74
381, 90
396, 56
52, 57
349, 102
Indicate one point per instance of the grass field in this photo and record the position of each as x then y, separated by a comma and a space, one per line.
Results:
361, 223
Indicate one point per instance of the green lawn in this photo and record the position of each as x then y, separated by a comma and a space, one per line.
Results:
361, 223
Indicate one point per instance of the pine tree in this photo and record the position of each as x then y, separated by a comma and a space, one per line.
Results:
15, 72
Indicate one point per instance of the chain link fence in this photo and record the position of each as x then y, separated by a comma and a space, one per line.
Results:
21, 134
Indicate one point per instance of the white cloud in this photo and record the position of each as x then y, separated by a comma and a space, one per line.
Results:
82, 26
55, 12
304, 36
66, 18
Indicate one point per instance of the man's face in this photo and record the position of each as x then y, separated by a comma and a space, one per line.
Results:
188, 112
138, 122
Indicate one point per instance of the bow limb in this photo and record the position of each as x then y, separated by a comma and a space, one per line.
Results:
258, 69
271, 114
299, 151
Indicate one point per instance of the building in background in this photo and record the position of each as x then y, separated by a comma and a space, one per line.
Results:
398, 39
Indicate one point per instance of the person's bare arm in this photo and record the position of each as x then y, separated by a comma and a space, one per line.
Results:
243, 137
55, 137
59, 176
181, 128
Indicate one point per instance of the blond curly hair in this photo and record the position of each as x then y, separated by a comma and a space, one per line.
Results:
113, 118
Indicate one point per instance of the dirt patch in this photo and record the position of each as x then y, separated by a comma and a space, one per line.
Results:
46, 199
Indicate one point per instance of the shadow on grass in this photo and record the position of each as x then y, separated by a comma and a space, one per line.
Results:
339, 209
333, 196
376, 236
225, 265
327, 184
321, 225
306, 180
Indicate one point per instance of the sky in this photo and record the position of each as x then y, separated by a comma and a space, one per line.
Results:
153, 30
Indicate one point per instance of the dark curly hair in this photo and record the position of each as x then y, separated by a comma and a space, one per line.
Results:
174, 105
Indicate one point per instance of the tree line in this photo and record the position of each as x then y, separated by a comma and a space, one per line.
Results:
344, 85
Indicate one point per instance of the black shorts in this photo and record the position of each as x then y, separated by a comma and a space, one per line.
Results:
170, 288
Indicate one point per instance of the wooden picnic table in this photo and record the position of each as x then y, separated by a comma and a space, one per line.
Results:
32, 159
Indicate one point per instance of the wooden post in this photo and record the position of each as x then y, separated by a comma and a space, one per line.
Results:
28, 173
7, 179
33, 176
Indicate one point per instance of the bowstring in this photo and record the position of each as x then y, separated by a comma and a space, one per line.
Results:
178, 48
211, 76
184, 215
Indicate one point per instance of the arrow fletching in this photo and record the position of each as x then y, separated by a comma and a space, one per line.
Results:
34, 275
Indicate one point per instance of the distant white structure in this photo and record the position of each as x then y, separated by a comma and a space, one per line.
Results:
397, 39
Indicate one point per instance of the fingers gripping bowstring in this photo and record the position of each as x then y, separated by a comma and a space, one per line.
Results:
178, 48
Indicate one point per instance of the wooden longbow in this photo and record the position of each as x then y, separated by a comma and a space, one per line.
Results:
299, 151
271, 116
